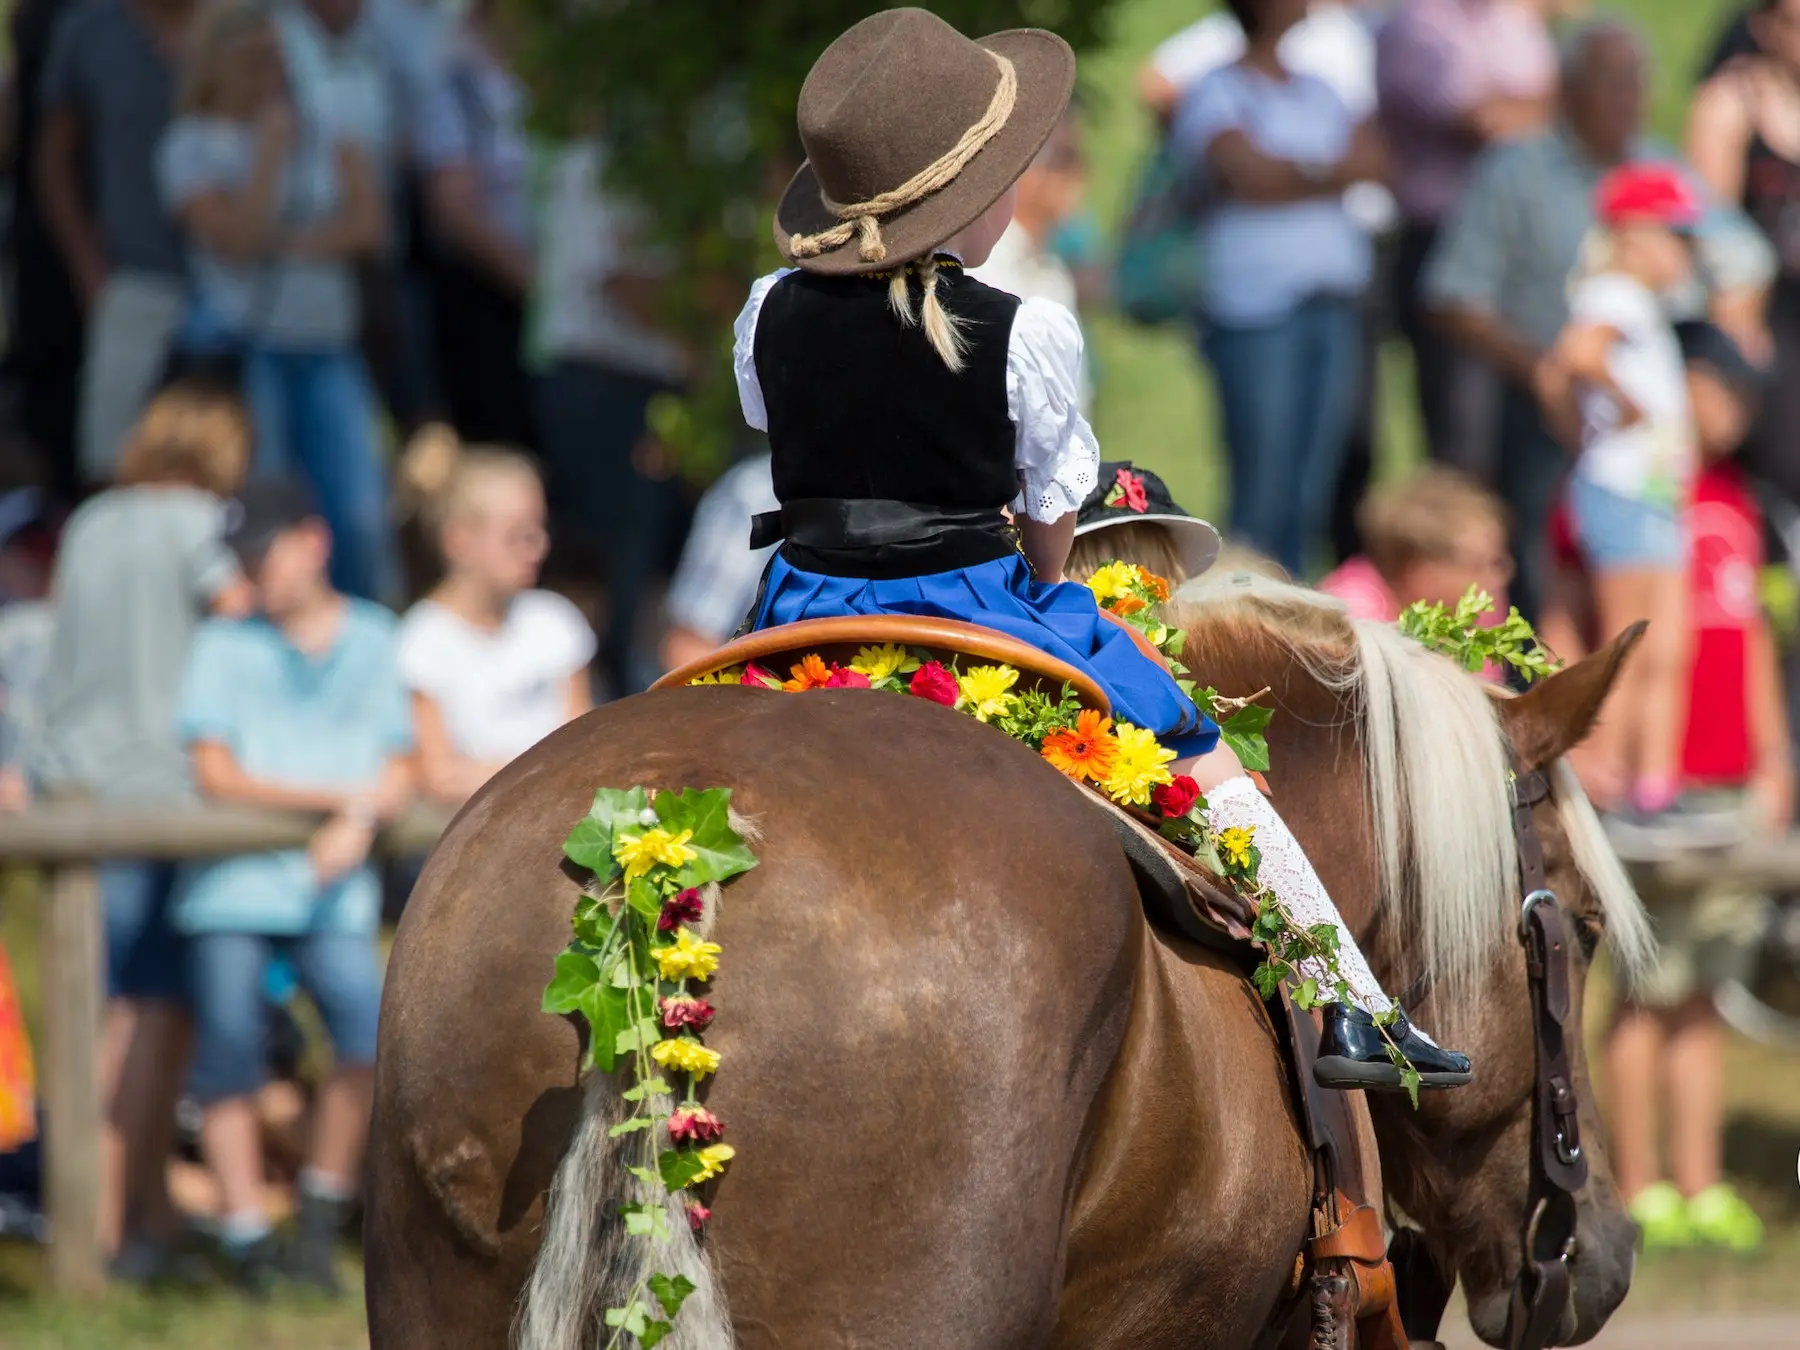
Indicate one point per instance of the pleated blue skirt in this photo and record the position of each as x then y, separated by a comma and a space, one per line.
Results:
1062, 620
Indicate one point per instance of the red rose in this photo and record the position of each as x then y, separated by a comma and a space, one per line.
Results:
679, 1010
682, 907
1133, 488
842, 677
695, 1125
932, 681
1176, 797
698, 1214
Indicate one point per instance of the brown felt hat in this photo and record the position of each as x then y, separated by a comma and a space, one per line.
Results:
903, 97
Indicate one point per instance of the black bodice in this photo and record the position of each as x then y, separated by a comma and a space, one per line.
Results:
861, 406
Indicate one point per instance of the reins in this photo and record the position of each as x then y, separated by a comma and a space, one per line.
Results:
1558, 1164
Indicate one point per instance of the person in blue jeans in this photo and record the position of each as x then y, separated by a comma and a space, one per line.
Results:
1285, 266
300, 707
277, 217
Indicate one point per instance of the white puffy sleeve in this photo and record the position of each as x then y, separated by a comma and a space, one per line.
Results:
1056, 454
743, 352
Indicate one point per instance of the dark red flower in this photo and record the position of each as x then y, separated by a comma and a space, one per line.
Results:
1176, 797
695, 1125
682, 907
680, 1010
698, 1214
842, 677
1133, 488
934, 682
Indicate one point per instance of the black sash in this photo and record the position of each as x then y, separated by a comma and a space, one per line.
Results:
878, 539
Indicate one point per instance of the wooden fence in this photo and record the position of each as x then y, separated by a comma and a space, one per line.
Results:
68, 841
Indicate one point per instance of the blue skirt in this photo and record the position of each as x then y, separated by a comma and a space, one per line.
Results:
1062, 620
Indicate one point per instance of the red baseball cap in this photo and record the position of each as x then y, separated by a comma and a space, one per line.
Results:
1656, 194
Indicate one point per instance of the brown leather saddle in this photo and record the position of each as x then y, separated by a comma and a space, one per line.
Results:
1344, 1271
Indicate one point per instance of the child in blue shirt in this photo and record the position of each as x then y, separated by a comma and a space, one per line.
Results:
300, 707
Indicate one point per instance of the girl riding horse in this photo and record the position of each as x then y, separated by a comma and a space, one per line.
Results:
908, 404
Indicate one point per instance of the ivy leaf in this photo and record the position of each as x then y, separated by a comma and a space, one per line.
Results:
632, 1317
640, 1035
575, 975
593, 922
653, 1333
1305, 997
604, 1008
671, 1293
678, 1169
720, 852
645, 1220
643, 897
1267, 979
649, 1087
643, 1174
631, 1126
1243, 732
589, 844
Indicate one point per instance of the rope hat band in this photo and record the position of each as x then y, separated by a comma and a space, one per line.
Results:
862, 220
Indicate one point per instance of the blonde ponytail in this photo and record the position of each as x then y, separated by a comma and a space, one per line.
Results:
943, 330
441, 478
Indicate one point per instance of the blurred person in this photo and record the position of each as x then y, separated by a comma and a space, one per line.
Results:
716, 581
275, 233
1740, 38
140, 566
1664, 1050
1616, 369
299, 707
1427, 538
493, 664
108, 93
1286, 270
44, 333
600, 358
474, 153
1498, 277
1130, 517
1453, 77
1743, 138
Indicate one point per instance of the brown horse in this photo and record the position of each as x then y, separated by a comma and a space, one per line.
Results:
977, 1100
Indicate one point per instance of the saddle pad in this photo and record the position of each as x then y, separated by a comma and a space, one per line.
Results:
836, 640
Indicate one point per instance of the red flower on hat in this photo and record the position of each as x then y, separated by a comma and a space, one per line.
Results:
1131, 488
756, 675
932, 681
842, 677
1654, 194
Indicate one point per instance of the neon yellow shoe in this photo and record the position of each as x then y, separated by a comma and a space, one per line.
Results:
1662, 1215
1720, 1217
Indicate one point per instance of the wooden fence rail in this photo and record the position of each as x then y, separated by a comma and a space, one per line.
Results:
68, 840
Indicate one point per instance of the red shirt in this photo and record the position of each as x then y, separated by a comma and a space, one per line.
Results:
1725, 529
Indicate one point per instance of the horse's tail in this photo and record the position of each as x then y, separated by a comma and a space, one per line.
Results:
587, 1263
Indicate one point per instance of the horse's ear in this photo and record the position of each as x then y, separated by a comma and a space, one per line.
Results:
1556, 714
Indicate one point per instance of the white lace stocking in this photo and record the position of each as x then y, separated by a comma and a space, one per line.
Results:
1236, 803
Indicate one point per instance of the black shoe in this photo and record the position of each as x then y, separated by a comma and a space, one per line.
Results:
1353, 1053
150, 1262
255, 1268
317, 1226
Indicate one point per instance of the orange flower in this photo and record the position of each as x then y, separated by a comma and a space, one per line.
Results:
1159, 586
811, 673
1127, 604
1084, 752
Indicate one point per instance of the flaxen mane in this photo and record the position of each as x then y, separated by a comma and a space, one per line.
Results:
1435, 764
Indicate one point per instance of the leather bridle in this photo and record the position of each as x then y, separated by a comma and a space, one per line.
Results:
1558, 1164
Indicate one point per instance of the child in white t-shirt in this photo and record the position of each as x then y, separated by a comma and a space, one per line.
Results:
493, 665
1620, 364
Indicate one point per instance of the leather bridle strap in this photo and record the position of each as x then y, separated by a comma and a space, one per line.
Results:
1558, 1164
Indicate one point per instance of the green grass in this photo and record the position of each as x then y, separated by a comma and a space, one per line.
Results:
1154, 406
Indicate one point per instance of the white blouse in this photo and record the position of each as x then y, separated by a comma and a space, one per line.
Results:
1055, 451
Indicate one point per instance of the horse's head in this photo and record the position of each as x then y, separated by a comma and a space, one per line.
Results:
1422, 858
1463, 1167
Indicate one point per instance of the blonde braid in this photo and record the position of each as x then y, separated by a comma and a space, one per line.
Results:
942, 328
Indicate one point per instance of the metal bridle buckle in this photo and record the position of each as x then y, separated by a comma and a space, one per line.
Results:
1532, 901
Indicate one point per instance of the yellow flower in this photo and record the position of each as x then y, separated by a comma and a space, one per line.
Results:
689, 958
686, 1055
638, 853
1139, 766
1235, 844
729, 675
1114, 580
878, 663
984, 690
712, 1160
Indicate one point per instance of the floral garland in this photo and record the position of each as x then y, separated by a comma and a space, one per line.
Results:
630, 973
